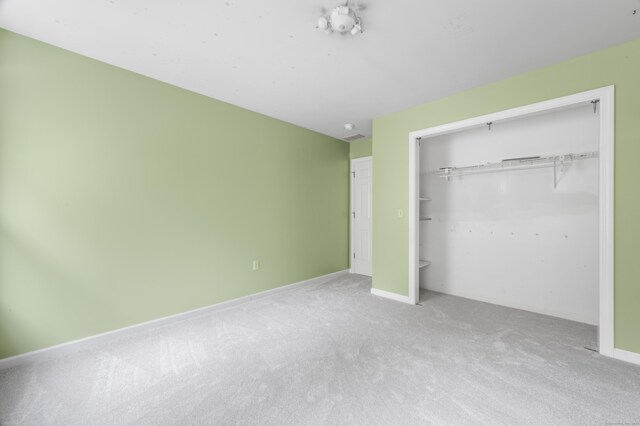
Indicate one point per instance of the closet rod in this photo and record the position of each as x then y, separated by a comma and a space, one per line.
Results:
525, 163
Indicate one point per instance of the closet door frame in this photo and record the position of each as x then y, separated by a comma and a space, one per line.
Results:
605, 97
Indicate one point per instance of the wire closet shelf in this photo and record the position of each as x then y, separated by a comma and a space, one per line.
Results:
523, 163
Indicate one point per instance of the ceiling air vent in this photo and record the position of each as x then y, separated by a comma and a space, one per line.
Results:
353, 137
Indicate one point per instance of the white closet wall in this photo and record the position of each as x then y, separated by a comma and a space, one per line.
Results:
509, 237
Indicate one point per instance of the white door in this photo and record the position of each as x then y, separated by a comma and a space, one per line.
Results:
361, 215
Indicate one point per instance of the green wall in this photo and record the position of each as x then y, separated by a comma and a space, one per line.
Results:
124, 199
620, 66
360, 148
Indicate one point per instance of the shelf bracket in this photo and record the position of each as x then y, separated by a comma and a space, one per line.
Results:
555, 170
447, 174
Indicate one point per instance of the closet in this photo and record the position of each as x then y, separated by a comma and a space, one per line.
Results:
508, 212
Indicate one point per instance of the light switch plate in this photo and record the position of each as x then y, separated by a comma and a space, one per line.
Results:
400, 213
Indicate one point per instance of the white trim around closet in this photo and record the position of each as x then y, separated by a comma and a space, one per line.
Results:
605, 96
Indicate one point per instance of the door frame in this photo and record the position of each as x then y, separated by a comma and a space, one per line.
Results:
351, 205
605, 96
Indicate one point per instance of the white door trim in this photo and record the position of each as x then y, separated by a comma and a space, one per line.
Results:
352, 204
605, 96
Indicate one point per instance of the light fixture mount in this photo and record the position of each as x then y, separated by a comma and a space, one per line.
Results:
341, 19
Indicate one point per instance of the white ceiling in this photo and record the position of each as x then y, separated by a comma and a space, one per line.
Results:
268, 57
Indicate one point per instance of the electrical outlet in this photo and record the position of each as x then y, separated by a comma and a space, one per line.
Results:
256, 265
400, 213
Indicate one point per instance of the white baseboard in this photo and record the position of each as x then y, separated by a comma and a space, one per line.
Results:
75, 345
392, 296
627, 356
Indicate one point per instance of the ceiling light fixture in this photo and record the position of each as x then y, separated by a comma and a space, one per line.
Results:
342, 19
349, 126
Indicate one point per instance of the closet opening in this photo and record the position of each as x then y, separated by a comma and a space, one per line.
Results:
515, 208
